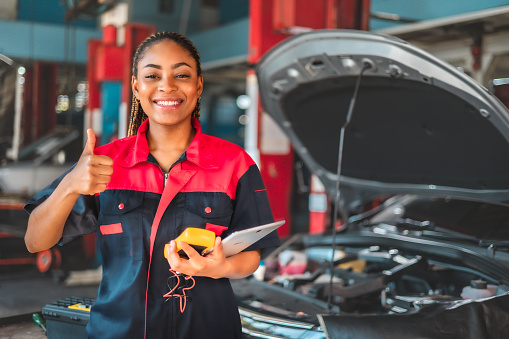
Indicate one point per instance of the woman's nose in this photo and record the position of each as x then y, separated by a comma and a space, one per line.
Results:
167, 84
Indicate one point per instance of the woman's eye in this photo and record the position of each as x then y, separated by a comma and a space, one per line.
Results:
182, 76
150, 76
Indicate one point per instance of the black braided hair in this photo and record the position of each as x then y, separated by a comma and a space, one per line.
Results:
137, 113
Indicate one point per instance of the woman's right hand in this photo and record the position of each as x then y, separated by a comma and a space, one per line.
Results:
90, 176
92, 172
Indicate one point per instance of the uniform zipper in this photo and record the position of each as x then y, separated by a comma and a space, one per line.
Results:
165, 178
166, 174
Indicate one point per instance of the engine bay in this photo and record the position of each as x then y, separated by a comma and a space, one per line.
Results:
373, 279
376, 280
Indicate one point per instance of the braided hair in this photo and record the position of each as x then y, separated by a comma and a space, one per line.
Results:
137, 113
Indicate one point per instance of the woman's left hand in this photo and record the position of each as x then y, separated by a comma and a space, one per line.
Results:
215, 264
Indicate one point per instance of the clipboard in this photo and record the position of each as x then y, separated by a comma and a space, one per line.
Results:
240, 240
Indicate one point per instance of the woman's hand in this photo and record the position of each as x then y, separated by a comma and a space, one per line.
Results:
90, 176
92, 172
215, 264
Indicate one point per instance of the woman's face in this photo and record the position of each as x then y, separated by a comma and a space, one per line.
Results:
167, 85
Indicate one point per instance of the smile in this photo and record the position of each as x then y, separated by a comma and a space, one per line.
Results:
167, 102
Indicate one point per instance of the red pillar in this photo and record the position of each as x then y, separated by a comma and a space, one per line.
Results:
134, 35
40, 99
107, 60
272, 21
276, 169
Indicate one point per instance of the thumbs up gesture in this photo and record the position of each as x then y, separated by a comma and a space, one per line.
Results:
91, 140
93, 172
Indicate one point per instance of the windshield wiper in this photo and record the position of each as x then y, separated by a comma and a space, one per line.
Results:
416, 225
389, 206
494, 243
427, 228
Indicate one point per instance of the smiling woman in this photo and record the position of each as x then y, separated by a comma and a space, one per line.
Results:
141, 192
167, 87
184, 46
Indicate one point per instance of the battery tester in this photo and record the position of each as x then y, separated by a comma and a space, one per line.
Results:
200, 239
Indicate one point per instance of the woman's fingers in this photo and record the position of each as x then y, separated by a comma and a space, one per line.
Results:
196, 264
93, 172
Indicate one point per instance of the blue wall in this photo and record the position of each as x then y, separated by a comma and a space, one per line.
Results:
148, 12
40, 31
43, 41
111, 93
225, 42
48, 11
427, 9
233, 10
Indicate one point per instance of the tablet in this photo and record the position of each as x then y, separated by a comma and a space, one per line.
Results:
240, 240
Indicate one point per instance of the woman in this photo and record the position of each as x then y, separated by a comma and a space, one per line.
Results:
141, 192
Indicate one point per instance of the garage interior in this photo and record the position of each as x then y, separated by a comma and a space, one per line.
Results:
52, 90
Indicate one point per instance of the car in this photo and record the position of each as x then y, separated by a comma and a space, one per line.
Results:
39, 163
414, 156
36, 166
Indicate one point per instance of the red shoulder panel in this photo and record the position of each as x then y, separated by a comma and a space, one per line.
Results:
143, 176
230, 162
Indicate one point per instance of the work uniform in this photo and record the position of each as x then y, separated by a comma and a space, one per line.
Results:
214, 185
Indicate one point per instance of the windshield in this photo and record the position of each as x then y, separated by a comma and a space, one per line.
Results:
49, 145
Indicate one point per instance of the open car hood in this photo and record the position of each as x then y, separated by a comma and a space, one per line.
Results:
419, 125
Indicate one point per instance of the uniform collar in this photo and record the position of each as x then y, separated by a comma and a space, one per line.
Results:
197, 153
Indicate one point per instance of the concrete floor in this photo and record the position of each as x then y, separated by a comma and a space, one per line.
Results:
21, 329
24, 291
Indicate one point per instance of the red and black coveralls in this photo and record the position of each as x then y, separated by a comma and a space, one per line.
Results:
214, 185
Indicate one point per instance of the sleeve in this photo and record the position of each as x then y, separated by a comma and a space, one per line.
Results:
83, 217
252, 208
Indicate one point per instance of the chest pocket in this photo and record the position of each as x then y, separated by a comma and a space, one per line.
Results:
202, 208
120, 225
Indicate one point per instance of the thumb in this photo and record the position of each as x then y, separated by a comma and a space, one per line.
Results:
90, 145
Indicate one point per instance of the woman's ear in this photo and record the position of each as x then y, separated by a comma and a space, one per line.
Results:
134, 86
200, 85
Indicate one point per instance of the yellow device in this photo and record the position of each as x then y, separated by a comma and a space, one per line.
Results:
80, 306
200, 239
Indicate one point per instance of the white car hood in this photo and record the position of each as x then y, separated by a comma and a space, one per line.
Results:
419, 125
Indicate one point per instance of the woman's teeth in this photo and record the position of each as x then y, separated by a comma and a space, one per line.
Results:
167, 103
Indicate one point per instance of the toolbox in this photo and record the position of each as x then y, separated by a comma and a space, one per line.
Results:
67, 318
